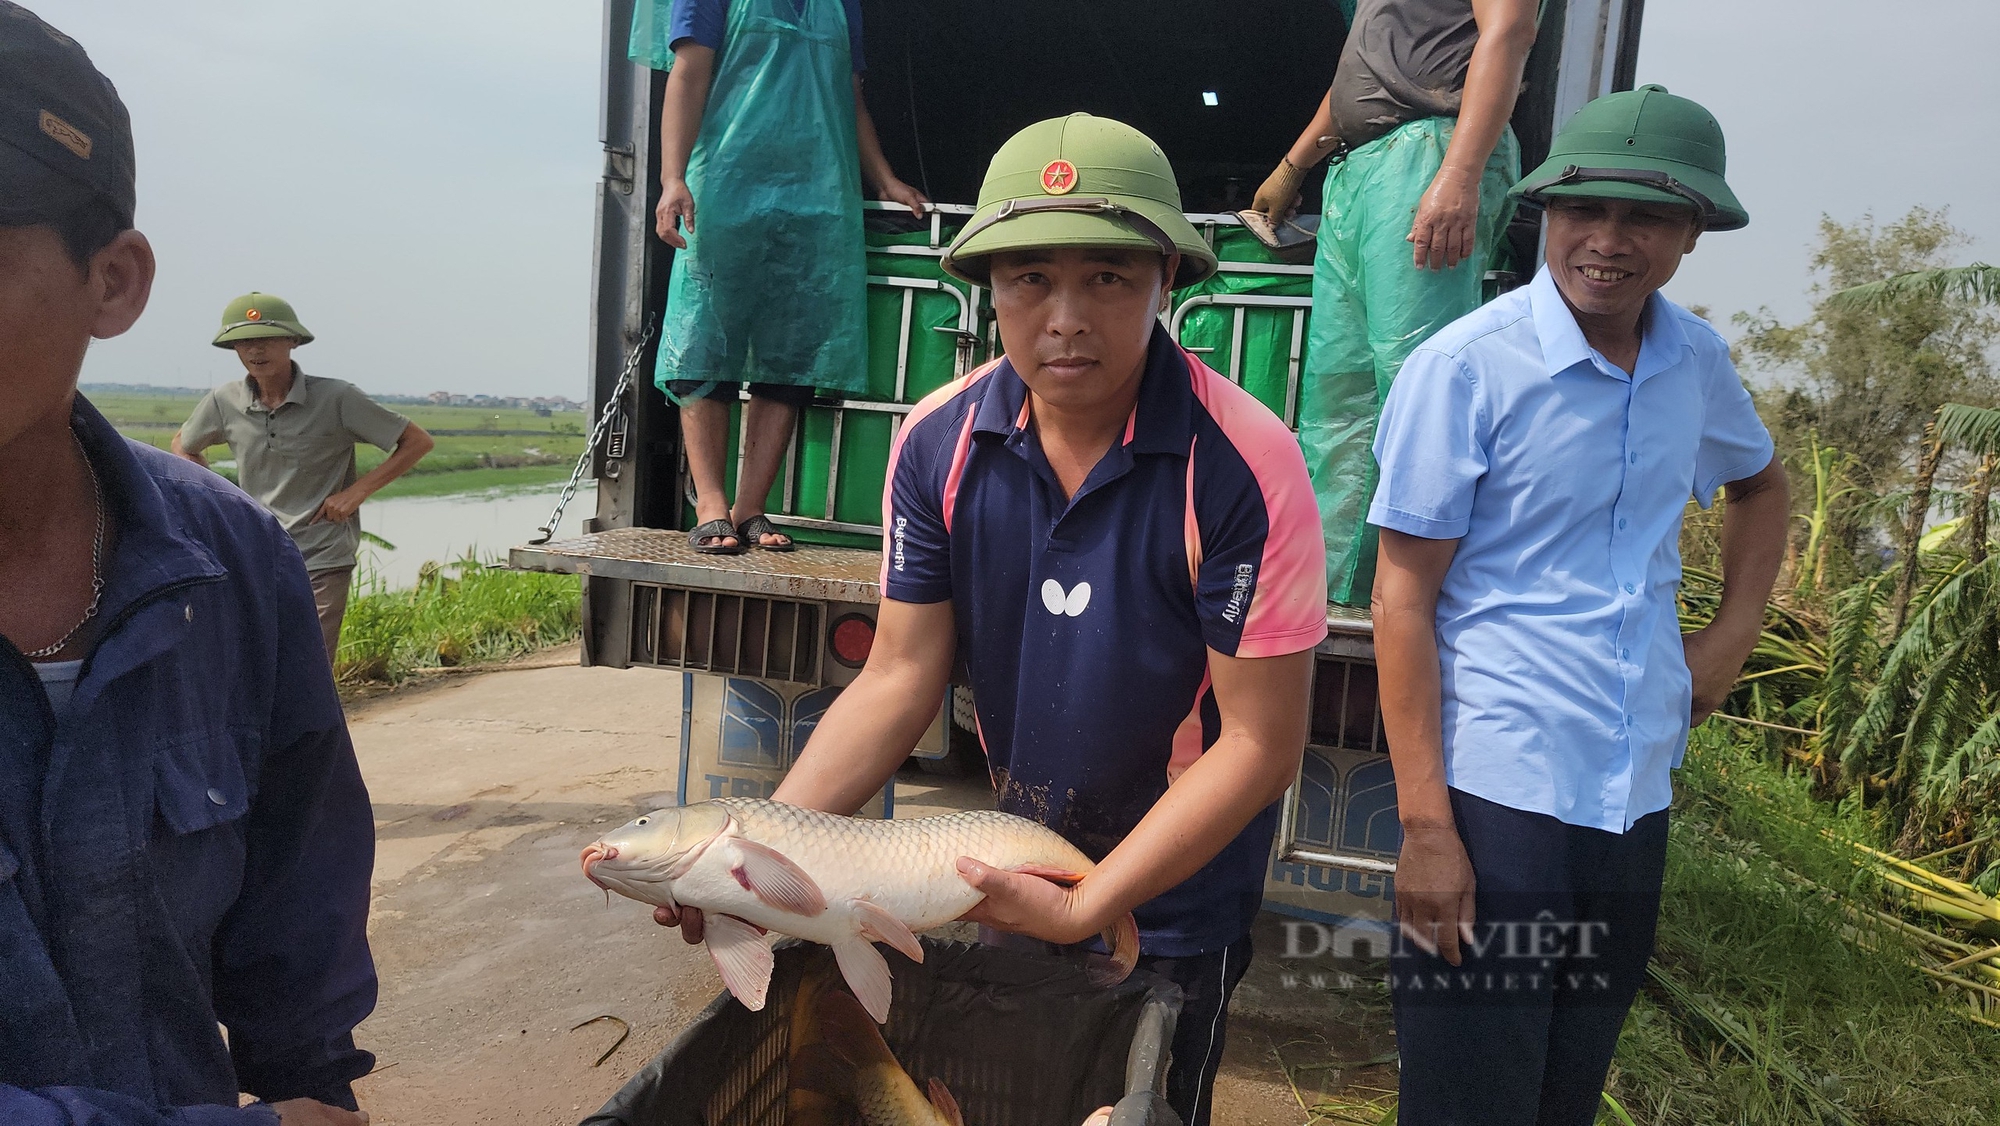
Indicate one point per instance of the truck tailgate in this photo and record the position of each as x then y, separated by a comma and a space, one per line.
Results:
658, 555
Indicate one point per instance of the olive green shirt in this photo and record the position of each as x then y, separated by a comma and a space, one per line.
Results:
293, 458
1404, 60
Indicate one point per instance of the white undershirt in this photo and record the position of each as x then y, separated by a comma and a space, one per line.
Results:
58, 681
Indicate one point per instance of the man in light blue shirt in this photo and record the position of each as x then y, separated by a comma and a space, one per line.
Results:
1536, 458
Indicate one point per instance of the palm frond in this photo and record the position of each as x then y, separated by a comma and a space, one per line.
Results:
1854, 654
1950, 705
1977, 282
1977, 758
1970, 428
1961, 608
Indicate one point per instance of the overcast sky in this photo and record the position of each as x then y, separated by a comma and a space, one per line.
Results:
417, 175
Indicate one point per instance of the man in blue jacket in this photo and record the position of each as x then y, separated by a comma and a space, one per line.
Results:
185, 841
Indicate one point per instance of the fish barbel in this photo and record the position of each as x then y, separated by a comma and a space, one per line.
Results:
845, 882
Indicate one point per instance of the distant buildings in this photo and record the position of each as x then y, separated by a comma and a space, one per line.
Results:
540, 404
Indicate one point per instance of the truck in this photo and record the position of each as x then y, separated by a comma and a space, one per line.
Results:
765, 641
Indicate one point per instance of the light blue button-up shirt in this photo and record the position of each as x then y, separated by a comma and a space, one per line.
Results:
1563, 479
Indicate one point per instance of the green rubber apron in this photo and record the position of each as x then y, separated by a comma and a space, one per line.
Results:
773, 286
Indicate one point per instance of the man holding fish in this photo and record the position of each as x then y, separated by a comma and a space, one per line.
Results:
1123, 547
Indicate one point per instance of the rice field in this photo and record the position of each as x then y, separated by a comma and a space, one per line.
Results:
477, 449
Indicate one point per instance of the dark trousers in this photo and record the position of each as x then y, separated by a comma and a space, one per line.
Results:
1522, 1032
1207, 981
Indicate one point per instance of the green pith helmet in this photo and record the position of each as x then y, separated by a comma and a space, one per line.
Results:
1079, 181
1643, 144
255, 316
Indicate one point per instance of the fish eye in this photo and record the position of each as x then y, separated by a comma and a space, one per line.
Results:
641, 821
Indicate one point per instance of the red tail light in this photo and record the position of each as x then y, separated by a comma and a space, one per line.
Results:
850, 639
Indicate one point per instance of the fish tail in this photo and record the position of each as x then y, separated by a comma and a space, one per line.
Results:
1121, 938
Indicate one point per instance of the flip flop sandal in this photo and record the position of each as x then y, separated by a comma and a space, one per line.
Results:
752, 532
714, 530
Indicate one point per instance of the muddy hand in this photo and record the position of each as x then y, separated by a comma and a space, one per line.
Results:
1441, 235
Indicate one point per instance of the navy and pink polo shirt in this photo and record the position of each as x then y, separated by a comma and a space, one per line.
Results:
1086, 625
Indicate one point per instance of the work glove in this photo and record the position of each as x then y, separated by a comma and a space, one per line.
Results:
1279, 197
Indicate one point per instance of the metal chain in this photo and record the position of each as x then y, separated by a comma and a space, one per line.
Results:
611, 408
96, 561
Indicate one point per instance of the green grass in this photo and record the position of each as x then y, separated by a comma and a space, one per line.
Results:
460, 614
1766, 1004
1769, 1005
460, 463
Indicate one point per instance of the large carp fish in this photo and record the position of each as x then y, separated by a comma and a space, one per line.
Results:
753, 866
839, 1062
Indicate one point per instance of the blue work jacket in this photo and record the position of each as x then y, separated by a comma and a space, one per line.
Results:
189, 842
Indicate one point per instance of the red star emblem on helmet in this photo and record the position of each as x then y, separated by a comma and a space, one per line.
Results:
1059, 177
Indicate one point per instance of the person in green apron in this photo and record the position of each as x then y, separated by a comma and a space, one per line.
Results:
764, 143
1415, 202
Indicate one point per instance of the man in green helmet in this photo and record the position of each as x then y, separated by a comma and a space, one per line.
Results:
1537, 691
293, 436
765, 139
1415, 124
1122, 547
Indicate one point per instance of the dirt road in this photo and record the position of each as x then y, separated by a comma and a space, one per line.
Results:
492, 947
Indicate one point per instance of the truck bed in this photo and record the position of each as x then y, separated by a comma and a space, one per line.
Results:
832, 574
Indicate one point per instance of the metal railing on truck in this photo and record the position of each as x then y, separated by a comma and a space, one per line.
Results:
1250, 322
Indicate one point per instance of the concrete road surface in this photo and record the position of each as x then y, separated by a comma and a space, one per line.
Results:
492, 947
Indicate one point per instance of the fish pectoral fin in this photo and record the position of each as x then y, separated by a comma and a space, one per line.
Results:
1122, 939
771, 876
945, 1104
1062, 876
879, 925
741, 957
867, 973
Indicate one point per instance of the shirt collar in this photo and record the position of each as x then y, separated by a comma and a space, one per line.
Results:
296, 395
152, 549
1662, 340
1162, 421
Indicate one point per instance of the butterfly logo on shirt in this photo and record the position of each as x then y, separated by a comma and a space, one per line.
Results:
1065, 604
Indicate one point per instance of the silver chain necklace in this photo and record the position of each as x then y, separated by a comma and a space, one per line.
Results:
96, 560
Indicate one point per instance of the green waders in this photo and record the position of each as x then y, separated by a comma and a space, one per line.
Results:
1371, 308
773, 286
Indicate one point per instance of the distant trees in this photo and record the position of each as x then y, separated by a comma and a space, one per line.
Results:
1859, 380
1884, 644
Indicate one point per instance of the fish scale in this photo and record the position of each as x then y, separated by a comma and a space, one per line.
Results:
847, 854
754, 866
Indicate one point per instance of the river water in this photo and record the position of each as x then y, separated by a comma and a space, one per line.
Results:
445, 528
